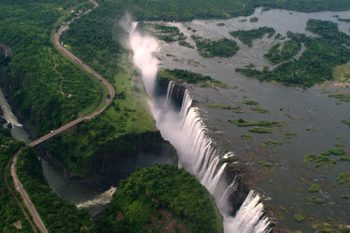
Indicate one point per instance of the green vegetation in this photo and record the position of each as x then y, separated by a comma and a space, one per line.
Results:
341, 73
168, 33
161, 199
341, 97
226, 107
344, 178
299, 217
10, 214
314, 188
260, 130
274, 143
186, 44
244, 123
344, 20
336, 150
254, 19
247, 37
180, 10
58, 215
323, 159
317, 62
250, 102
219, 48
43, 87
283, 52
189, 77
346, 122
246, 137
125, 120
95, 38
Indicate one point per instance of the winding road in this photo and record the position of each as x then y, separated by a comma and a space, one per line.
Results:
106, 101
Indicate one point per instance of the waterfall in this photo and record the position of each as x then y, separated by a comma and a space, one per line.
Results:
101, 199
187, 132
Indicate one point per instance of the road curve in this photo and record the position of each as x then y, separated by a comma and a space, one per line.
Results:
107, 100
29, 204
68, 54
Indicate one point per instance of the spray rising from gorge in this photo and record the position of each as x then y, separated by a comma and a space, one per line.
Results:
187, 132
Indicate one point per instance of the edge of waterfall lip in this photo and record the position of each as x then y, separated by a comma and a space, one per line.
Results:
202, 154
264, 223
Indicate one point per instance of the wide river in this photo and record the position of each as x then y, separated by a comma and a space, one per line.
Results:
278, 173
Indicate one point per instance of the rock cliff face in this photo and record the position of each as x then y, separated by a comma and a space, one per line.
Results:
119, 158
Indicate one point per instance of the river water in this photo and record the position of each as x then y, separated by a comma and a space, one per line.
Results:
77, 194
311, 114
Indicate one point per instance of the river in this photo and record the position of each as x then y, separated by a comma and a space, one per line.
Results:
309, 113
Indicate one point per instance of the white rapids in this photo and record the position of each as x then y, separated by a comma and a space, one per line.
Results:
187, 132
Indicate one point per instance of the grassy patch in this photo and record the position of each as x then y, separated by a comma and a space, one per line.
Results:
244, 123
226, 107
246, 137
341, 97
344, 178
314, 188
274, 143
341, 73
346, 122
299, 217
260, 130
319, 160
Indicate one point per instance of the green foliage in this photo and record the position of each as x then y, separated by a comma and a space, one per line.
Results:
283, 52
346, 122
299, 217
189, 77
314, 188
244, 123
58, 215
260, 130
344, 178
247, 37
168, 33
323, 159
341, 97
10, 213
316, 64
41, 85
142, 200
180, 10
96, 38
219, 48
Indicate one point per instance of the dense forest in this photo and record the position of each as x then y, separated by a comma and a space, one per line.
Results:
12, 219
45, 89
59, 215
170, 10
161, 199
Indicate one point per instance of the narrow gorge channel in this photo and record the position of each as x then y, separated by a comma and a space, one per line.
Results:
185, 130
